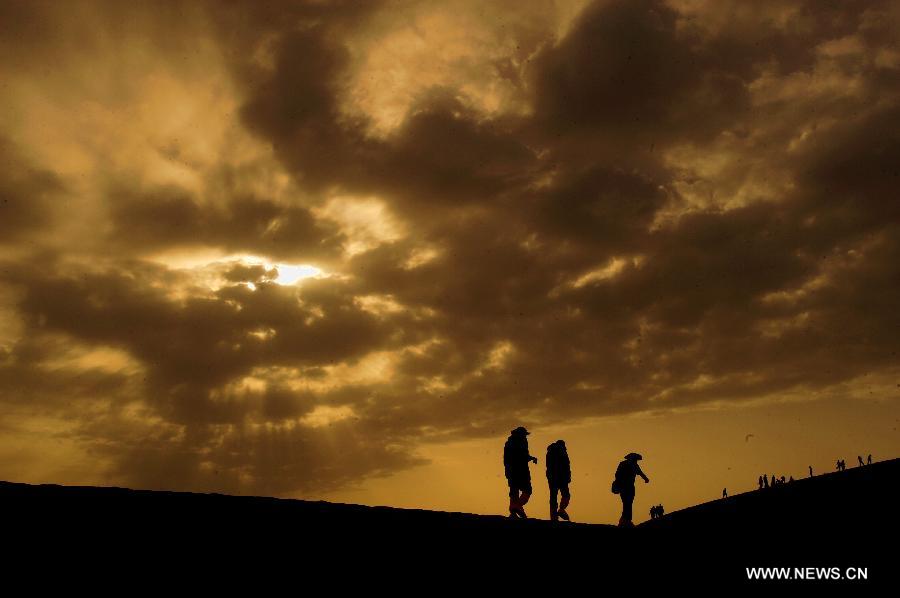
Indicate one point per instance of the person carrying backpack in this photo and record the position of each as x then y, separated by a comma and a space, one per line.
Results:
559, 476
623, 485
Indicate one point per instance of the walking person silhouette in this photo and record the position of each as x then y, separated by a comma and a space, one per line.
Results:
623, 485
559, 476
518, 476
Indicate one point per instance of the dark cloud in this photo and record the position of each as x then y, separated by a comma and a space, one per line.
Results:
604, 206
849, 175
256, 273
445, 153
32, 375
204, 341
629, 75
27, 194
295, 103
171, 217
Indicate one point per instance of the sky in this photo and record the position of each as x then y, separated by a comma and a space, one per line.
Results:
338, 250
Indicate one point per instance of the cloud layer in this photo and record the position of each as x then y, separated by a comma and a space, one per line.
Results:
275, 250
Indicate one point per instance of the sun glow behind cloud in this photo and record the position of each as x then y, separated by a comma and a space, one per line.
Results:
209, 267
290, 274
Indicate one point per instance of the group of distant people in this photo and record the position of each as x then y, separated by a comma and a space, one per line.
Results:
516, 460
859, 458
657, 511
840, 465
764, 481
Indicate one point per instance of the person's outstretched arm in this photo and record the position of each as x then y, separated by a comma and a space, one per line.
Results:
641, 473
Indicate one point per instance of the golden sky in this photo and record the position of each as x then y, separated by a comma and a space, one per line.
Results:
339, 249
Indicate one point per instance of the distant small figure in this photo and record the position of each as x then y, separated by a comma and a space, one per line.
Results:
515, 464
559, 476
623, 485
760, 482
791, 479
837, 465
843, 465
869, 460
860, 461
782, 479
765, 481
661, 510
774, 481
810, 471
724, 492
654, 512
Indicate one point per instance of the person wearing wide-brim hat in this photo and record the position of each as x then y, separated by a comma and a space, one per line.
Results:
515, 463
623, 485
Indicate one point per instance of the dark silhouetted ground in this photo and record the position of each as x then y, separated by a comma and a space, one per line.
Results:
122, 540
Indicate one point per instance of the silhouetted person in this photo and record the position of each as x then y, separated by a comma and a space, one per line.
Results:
810, 471
515, 463
724, 492
661, 510
559, 475
869, 460
773, 480
623, 485
782, 479
653, 512
760, 482
860, 461
791, 479
843, 465
765, 481
838, 465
